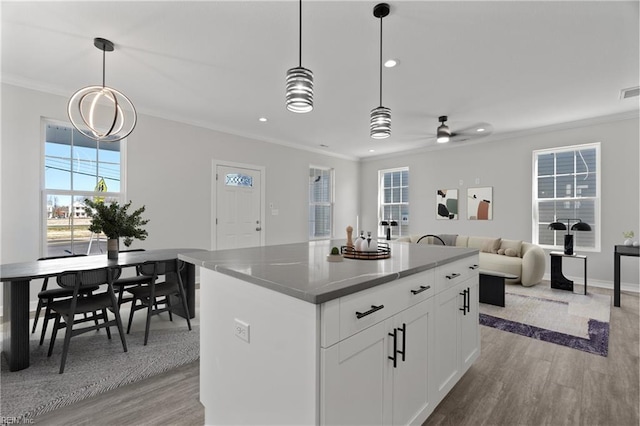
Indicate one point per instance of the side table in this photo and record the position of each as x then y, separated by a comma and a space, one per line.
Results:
620, 250
558, 280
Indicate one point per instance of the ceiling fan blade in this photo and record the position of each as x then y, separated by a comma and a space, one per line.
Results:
471, 132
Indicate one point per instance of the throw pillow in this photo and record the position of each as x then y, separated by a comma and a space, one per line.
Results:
510, 252
501, 251
449, 239
516, 245
490, 245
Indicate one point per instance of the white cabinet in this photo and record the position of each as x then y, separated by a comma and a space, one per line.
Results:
412, 381
384, 355
381, 375
457, 333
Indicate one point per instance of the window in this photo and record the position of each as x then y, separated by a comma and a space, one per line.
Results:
320, 202
393, 200
566, 185
76, 167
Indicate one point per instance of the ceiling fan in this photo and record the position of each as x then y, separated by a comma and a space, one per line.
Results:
458, 132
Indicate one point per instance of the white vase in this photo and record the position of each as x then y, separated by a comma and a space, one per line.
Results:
628, 242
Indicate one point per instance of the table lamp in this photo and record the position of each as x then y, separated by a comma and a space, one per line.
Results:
568, 238
389, 224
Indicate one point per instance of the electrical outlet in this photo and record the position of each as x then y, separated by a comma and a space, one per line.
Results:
241, 330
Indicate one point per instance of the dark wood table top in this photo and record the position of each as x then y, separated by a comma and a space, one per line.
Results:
628, 250
51, 267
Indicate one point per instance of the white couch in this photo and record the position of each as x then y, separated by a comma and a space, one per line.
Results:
525, 260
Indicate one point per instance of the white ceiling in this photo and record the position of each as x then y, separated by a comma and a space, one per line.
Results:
221, 64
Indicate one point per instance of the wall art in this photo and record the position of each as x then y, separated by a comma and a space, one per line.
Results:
447, 204
480, 203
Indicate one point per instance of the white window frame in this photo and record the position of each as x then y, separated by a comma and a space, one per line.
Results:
46, 192
395, 231
330, 203
596, 199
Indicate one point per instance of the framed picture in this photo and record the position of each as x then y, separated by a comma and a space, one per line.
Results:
480, 203
447, 204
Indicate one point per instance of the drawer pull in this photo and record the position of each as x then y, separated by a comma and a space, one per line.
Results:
474, 267
422, 288
369, 312
452, 276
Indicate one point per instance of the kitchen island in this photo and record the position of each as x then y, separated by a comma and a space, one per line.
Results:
289, 338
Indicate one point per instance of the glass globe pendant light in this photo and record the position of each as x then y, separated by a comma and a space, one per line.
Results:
300, 82
100, 112
380, 116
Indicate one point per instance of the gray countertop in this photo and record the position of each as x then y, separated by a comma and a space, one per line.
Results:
301, 270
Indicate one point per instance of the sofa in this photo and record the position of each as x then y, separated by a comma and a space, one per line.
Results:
525, 260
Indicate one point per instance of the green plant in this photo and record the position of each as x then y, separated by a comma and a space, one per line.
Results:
628, 234
115, 221
335, 250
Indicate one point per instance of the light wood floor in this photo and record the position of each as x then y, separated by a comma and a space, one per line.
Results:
516, 381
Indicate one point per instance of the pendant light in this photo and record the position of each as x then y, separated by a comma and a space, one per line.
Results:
444, 133
100, 112
380, 116
300, 82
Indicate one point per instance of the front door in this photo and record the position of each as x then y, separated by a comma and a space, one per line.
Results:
238, 209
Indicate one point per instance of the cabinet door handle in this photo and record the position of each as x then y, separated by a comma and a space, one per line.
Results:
464, 302
474, 267
452, 276
404, 340
373, 309
394, 358
422, 288
468, 290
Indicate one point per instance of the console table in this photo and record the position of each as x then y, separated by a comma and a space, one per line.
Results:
558, 280
620, 250
17, 276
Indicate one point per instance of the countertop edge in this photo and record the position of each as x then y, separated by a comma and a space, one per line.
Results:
325, 296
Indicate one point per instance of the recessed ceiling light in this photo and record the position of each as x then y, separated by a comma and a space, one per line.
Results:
390, 63
262, 119
480, 129
372, 150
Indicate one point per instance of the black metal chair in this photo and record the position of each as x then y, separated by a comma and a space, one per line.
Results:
156, 296
121, 284
96, 303
46, 296
435, 240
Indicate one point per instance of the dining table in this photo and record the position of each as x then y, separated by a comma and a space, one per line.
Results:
16, 279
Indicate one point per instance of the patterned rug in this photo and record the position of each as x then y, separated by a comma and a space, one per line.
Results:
94, 365
557, 316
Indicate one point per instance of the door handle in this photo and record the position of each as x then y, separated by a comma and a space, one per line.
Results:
464, 302
404, 340
394, 358
258, 228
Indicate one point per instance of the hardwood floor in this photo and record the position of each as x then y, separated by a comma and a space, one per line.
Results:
522, 381
516, 381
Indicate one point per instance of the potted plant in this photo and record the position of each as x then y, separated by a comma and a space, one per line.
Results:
115, 222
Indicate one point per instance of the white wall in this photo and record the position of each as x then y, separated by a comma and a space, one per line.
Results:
506, 165
169, 169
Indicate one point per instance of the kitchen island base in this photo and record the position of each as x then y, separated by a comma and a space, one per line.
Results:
384, 355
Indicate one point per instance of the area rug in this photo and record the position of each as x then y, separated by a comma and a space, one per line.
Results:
94, 365
557, 316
